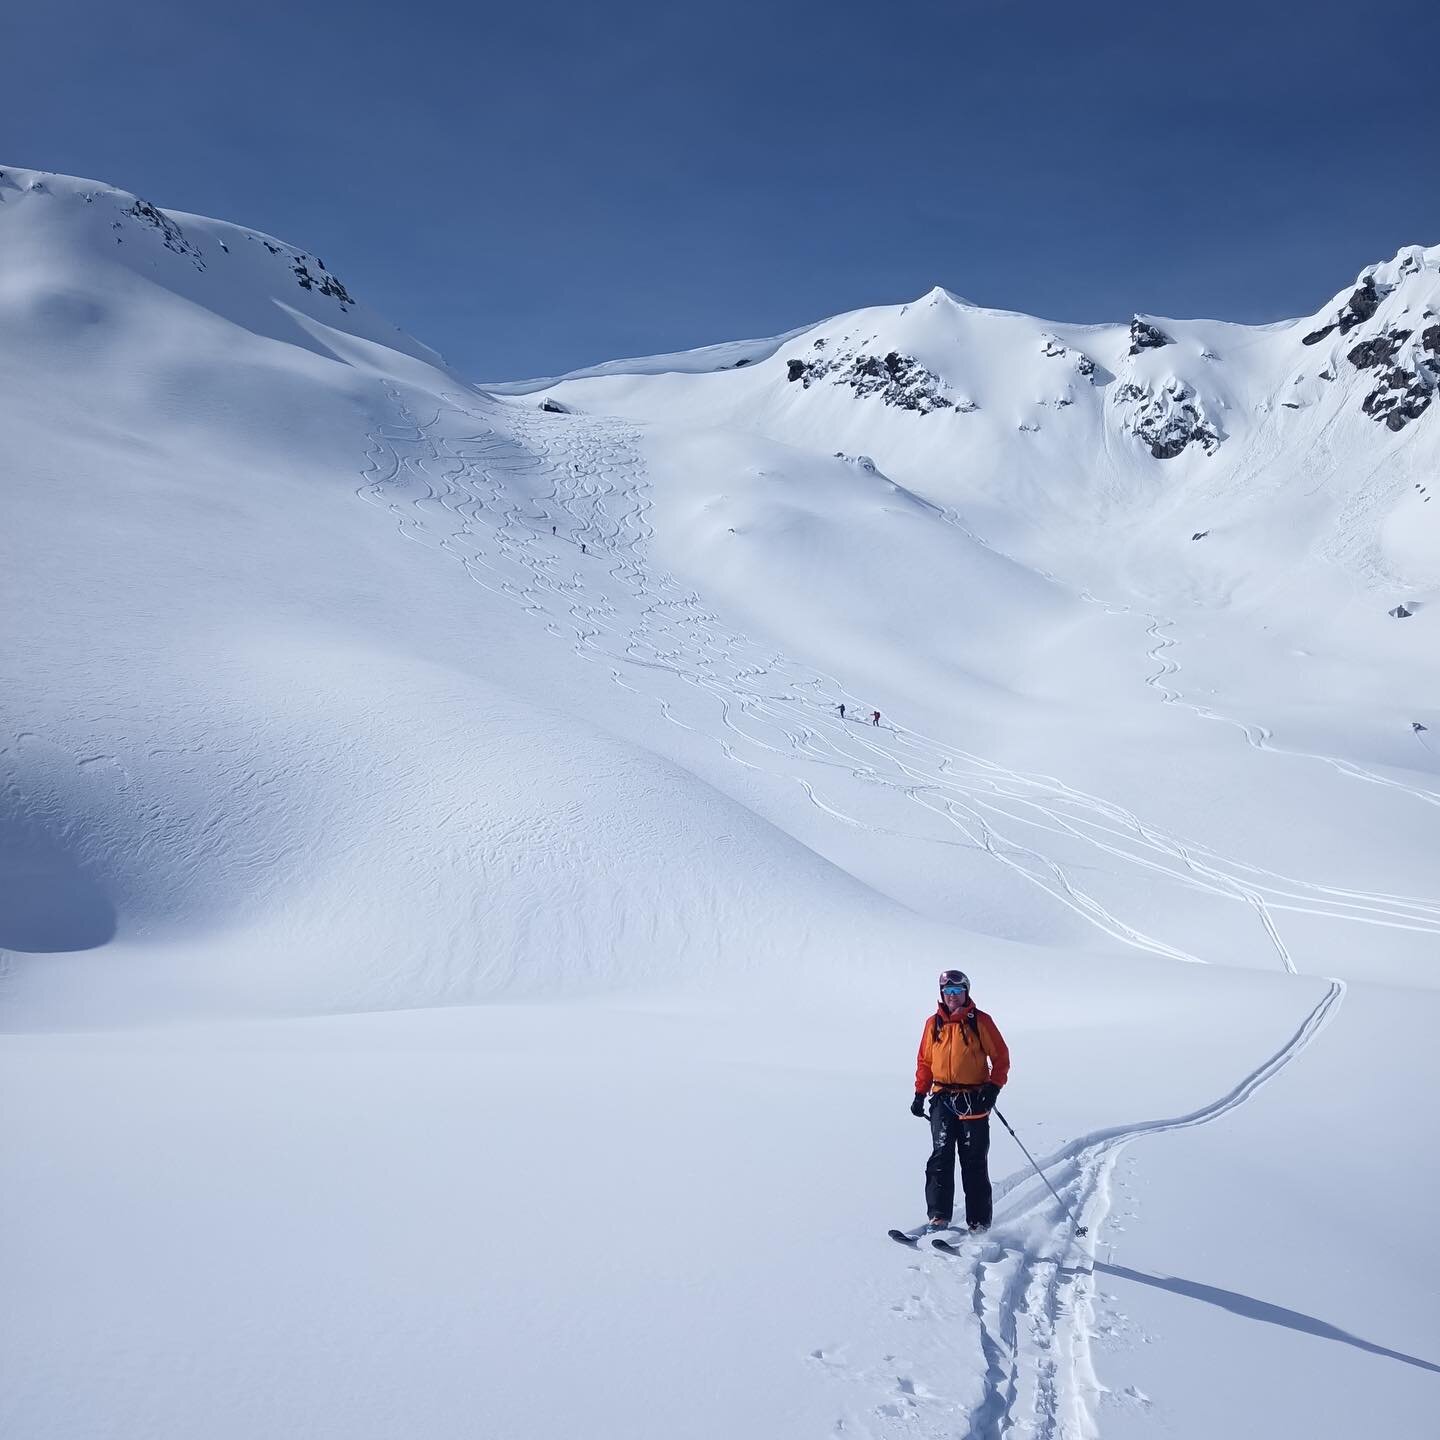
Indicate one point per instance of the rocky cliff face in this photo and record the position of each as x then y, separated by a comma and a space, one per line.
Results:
1361, 305
1391, 326
1145, 336
1406, 370
1054, 349
1166, 417
897, 379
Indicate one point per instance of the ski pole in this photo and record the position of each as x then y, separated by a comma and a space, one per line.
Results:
1079, 1228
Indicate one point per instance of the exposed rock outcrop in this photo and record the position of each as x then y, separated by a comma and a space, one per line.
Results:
171, 235
1167, 418
324, 283
1054, 350
137, 219
899, 380
1362, 304
1145, 336
1407, 374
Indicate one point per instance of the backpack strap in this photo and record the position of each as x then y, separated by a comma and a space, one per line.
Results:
972, 1020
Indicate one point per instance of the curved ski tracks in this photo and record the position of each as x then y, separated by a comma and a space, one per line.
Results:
484, 485
1027, 1300
448, 480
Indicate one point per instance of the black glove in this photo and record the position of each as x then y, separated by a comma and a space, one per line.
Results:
917, 1105
989, 1094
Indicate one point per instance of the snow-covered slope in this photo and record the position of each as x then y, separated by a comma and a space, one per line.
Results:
188, 446
1170, 427
333, 684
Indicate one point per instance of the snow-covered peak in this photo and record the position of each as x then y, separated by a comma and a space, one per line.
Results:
942, 381
1383, 335
1408, 260
78, 252
1411, 277
939, 295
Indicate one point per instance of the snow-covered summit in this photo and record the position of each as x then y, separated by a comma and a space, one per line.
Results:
1388, 326
949, 346
992, 410
78, 252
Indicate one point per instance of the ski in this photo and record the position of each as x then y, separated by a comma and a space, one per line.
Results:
912, 1238
947, 1247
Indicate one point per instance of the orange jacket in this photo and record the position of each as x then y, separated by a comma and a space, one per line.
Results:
969, 1050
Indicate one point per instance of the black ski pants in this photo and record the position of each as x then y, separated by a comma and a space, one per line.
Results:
969, 1140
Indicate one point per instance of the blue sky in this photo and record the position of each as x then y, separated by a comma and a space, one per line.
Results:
533, 188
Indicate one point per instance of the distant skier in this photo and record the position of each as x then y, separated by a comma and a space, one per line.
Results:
962, 1064
552, 529
842, 709
583, 550
875, 717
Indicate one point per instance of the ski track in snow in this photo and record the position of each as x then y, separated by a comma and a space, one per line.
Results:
1024, 1295
484, 485
1257, 736
454, 479
1025, 1303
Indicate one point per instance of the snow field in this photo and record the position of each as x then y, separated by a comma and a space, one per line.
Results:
349, 1224
456, 982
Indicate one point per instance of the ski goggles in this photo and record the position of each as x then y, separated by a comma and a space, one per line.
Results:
954, 982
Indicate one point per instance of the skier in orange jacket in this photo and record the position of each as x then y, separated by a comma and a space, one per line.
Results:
962, 1064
